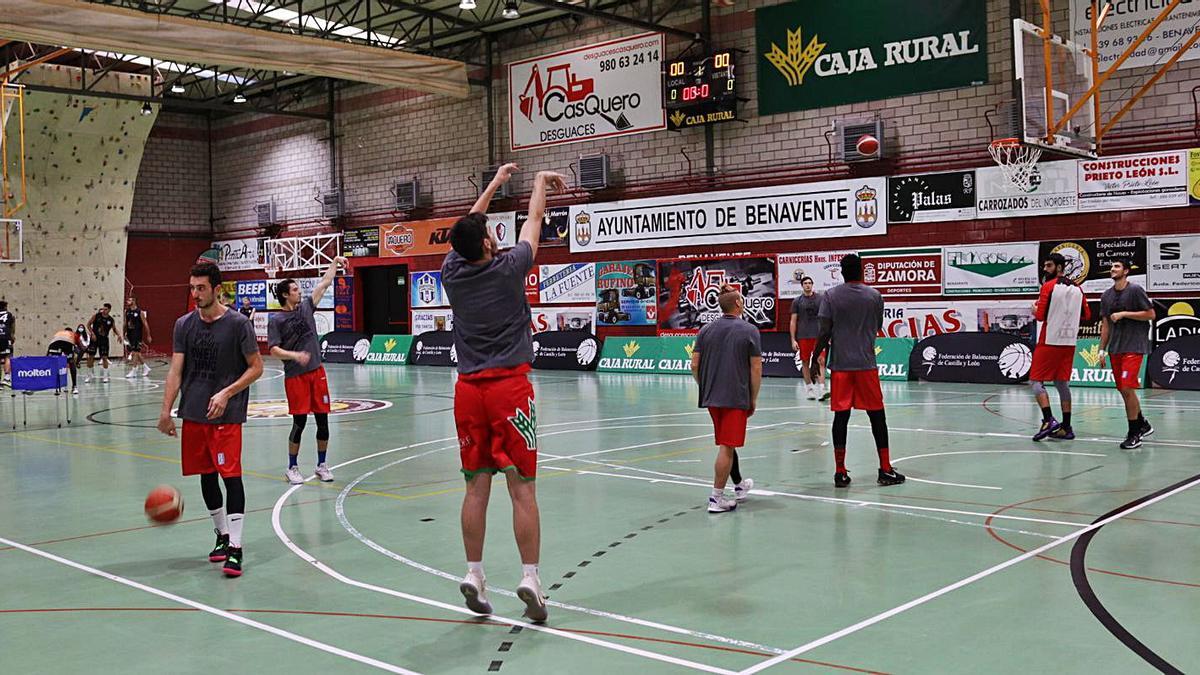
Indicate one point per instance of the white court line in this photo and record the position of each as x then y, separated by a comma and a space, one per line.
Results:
984, 452
648, 445
338, 576
866, 623
948, 484
308, 642
998, 434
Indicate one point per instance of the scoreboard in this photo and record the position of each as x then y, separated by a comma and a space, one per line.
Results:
700, 91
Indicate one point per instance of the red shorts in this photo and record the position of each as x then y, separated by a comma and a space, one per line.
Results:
729, 426
1052, 363
496, 420
308, 393
1126, 368
857, 389
207, 448
807, 345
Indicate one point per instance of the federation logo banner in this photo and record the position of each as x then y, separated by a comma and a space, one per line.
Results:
845, 208
977, 358
690, 290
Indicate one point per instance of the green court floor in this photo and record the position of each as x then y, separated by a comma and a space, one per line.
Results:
967, 568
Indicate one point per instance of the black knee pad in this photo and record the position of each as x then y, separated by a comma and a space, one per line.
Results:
235, 493
298, 422
211, 489
322, 426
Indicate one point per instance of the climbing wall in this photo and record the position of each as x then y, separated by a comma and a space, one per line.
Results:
81, 158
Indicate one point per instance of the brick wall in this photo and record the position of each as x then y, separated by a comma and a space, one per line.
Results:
171, 193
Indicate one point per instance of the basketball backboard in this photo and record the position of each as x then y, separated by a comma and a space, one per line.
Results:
1058, 71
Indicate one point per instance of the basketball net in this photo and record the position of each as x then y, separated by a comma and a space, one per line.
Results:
1017, 160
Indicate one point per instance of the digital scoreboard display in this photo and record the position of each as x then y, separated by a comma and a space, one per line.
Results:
700, 91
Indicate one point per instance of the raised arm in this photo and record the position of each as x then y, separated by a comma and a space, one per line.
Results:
502, 175
542, 182
327, 280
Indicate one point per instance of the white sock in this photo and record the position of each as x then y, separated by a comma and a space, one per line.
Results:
529, 570
476, 567
235, 529
718, 493
218, 517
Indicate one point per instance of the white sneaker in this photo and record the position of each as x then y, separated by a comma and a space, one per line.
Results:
75, 391
324, 474
87, 379
145, 369
742, 490
104, 379
293, 475
530, 592
721, 504
131, 374
810, 392
474, 590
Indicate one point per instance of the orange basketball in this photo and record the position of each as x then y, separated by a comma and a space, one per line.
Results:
164, 504
867, 145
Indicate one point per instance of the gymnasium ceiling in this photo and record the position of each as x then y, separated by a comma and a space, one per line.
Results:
356, 32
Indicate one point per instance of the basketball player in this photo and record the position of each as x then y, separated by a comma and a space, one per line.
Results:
851, 315
494, 408
137, 335
1060, 307
64, 344
727, 364
804, 329
292, 337
8, 333
99, 327
215, 359
1126, 314
246, 309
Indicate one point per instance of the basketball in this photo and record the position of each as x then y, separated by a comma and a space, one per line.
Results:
164, 504
867, 145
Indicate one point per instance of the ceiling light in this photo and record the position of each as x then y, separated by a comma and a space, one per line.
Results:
239, 99
466, 5
146, 109
510, 10
177, 88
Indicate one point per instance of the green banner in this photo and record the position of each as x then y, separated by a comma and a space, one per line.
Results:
390, 349
676, 355
821, 54
1086, 371
630, 355
891, 356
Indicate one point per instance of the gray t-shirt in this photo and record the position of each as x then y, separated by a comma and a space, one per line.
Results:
296, 331
856, 311
491, 313
725, 347
214, 357
806, 308
1126, 336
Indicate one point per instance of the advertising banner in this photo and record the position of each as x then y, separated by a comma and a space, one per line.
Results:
1088, 260
1174, 263
845, 208
504, 226
1054, 188
389, 349
904, 271
986, 269
435, 348
239, 254
931, 197
824, 267
570, 284
822, 54
675, 358
426, 290
566, 350
345, 347
426, 320
602, 90
1175, 364
324, 321
978, 358
630, 355
1125, 22
306, 284
1086, 371
689, 289
1175, 318
542, 319
1149, 181
262, 320
891, 357
627, 293
1194, 176
936, 317
555, 225
416, 237
779, 357
343, 303
361, 243
38, 373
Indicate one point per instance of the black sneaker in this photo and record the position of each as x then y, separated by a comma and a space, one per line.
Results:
221, 549
233, 562
841, 479
1132, 440
892, 477
1146, 429
1048, 427
1063, 433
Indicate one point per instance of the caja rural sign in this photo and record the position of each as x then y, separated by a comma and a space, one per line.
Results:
609, 89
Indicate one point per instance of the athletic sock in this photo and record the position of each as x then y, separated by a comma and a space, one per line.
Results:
718, 493
235, 529
529, 570
1047, 414
476, 567
292, 460
885, 460
839, 457
218, 517
1141, 419
1134, 426
321, 456
1066, 419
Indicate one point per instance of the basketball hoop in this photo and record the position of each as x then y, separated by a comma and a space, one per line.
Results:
274, 268
1017, 160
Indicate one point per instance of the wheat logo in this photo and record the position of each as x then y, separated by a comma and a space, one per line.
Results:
526, 425
689, 348
797, 61
1091, 356
677, 118
631, 348
389, 344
